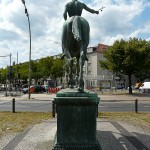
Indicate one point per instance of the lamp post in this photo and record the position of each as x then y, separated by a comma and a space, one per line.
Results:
10, 74
29, 83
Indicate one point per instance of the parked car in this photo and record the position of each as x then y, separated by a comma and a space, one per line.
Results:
39, 89
2, 87
34, 89
24, 90
132, 87
145, 87
23, 87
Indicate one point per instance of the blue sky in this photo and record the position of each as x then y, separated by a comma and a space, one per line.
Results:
121, 19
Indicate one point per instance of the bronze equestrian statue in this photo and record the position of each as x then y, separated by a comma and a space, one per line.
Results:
75, 39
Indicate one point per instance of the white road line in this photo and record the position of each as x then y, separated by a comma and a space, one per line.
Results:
146, 106
101, 106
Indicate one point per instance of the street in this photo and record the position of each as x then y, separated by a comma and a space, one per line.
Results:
104, 106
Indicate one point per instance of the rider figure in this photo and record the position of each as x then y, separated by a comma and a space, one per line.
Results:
75, 8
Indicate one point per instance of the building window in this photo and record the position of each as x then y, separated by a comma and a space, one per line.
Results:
89, 72
93, 82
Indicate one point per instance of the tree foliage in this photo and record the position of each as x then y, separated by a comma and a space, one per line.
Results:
57, 68
130, 57
43, 68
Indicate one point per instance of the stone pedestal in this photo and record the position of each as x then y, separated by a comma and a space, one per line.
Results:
76, 120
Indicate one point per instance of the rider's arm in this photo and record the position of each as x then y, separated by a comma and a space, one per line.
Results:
65, 12
90, 10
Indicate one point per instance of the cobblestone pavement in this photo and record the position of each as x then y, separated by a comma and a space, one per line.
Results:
110, 134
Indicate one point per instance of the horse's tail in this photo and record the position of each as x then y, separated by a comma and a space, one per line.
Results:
76, 28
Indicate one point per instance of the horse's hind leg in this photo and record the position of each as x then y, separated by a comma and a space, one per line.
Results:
71, 82
82, 60
77, 72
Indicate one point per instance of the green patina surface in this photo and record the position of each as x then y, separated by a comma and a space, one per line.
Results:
74, 96
76, 120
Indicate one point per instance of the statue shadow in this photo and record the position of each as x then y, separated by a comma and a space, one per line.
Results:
123, 140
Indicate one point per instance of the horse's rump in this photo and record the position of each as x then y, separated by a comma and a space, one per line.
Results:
75, 34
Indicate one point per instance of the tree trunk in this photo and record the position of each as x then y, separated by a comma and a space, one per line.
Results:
130, 88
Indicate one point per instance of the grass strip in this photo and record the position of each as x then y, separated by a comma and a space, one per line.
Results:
16, 122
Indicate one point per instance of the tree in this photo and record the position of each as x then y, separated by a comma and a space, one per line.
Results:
128, 58
24, 70
45, 65
57, 68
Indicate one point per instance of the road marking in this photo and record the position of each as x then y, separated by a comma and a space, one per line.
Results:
101, 106
146, 106
3, 102
130, 137
16, 140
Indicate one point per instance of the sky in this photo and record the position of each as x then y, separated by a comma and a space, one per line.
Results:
120, 19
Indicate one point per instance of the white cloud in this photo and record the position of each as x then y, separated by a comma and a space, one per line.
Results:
46, 17
146, 28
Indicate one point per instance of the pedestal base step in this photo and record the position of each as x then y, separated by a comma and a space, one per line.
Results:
77, 146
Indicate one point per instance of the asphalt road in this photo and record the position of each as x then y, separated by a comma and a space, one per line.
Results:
46, 106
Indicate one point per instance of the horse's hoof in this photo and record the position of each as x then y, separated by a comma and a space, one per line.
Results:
71, 87
80, 89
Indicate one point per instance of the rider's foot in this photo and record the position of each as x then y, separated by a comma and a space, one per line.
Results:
63, 55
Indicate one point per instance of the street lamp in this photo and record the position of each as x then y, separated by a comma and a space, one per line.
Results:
29, 83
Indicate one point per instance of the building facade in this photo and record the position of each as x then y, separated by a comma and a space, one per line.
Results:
94, 75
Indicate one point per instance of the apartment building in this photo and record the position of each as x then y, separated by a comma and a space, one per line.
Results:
94, 75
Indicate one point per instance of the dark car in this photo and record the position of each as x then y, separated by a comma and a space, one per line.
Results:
34, 89
39, 89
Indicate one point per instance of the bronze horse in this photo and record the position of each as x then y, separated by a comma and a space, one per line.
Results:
75, 40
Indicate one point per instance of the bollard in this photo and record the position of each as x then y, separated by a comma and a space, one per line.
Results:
13, 105
53, 109
136, 105
97, 110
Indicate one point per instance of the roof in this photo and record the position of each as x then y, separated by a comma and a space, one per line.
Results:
99, 48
